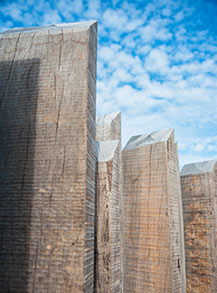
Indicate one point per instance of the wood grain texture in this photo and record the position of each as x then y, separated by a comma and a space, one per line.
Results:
109, 265
47, 159
199, 192
108, 127
108, 253
153, 240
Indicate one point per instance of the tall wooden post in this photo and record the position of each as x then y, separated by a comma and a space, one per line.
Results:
199, 193
153, 232
47, 158
109, 204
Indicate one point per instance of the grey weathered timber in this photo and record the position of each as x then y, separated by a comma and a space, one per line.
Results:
153, 229
199, 195
108, 127
109, 266
108, 254
47, 158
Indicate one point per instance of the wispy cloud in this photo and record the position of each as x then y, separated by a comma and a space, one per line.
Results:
157, 63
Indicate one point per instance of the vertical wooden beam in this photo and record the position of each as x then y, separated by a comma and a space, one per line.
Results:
108, 127
153, 236
108, 253
47, 158
199, 192
109, 268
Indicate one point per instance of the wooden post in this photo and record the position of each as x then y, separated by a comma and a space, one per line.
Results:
47, 158
199, 193
153, 232
109, 205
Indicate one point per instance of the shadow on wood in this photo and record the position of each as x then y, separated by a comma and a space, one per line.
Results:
18, 103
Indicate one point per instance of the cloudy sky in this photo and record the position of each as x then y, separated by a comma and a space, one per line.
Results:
157, 63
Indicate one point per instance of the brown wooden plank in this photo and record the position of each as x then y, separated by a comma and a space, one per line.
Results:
199, 192
109, 267
153, 236
47, 158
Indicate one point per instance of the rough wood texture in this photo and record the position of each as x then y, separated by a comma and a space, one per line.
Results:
109, 202
153, 235
108, 254
199, 192
108, 127
47, 158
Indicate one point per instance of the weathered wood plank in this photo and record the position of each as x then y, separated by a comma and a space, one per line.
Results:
109, 205
108, 127
47, 158
108, 234
199, 192
153, 236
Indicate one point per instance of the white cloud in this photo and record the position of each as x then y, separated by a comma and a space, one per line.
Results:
166, 12
179, 16
156, 29
51, 17
115, 19
157, 61
14, 11
77, 6
181, 34
199, 147
183, 54
122, 20
153, 64
122, 74
93, 9
143, 50
68, 8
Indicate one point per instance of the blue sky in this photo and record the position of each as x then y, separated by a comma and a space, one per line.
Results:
157, 63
